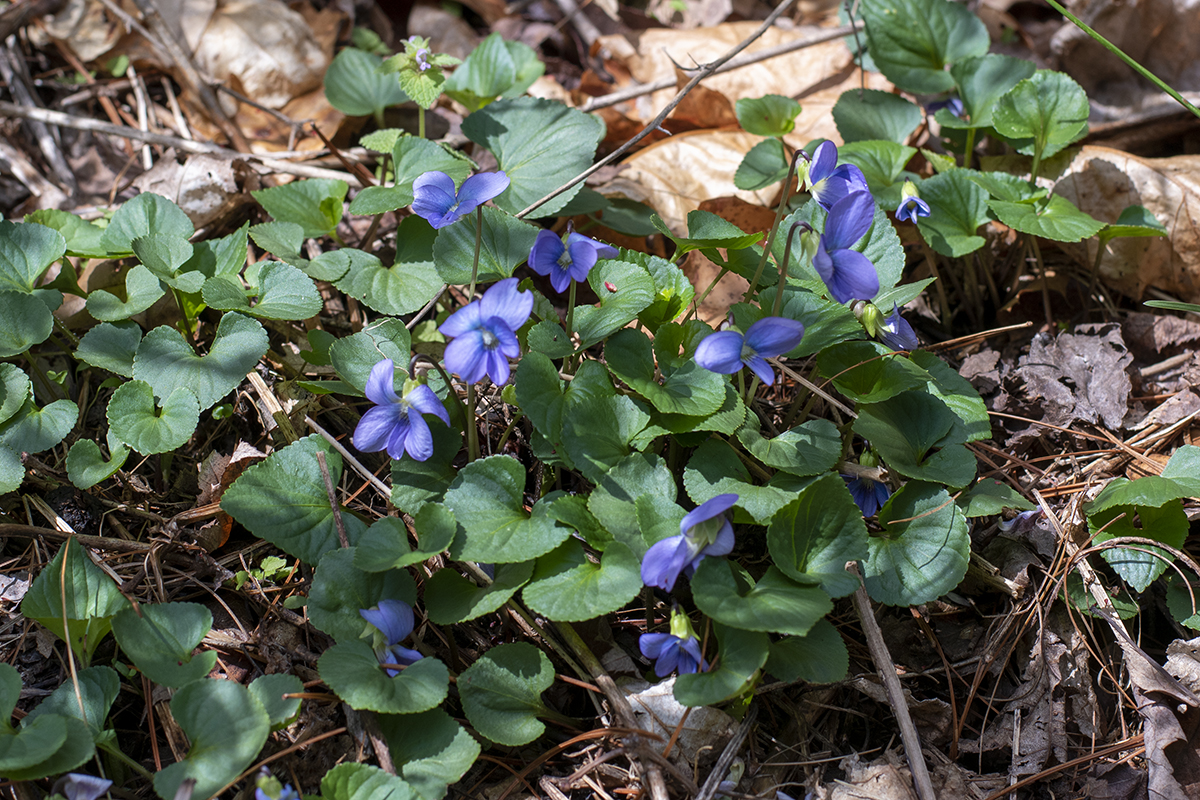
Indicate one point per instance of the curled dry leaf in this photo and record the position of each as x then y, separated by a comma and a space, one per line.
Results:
1103, 182
204, 187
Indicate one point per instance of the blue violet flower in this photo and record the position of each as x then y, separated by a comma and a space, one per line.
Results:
827, 182
703, 532
869, 495
952, 104
911, 205
397, 424
847, 273
77, 786
567, 258
435, 200
726, 352
677, 651
485, 333
394, 621
896, 333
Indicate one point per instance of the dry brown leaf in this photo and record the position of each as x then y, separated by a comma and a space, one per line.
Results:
204, 187
1103, 182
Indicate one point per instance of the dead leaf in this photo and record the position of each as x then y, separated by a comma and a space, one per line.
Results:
1079, 376
656, 710
86, 26
204, 187
1103, 182
1156, 333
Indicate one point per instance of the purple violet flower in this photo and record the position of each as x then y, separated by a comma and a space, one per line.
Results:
671, 653
422, 59
565, 261
827, 182
394, 620
703, 532
485, 333
727, 352
911, 205
286, 793
435, 200
896, 333
847, 273
952, 104
77, 786
869, 495
397, 424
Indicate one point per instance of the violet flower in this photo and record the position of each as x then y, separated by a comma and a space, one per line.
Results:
677, 651
285, 793
394, 620
952, 104
77, 786
827, 182
485, 333
435, 200
727, 352
397, 424
869, 495
847, 273
911, 205
703, 532
566, 259
896, 333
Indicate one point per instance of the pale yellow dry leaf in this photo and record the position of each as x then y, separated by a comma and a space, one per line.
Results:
1103, 182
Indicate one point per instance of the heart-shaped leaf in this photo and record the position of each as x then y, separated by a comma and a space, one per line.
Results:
145, 214
78, 592
434, 750
812, 537
598, 432
775, 604
33, 429
284, 292
385, 544
86, 466
981, 82
163, 254
82, 237
351, 670
808, 449
1044, 113
26, 252
495, 68
742, 654
451, 598
714, 469
690, 389
14, 391
569, 587
912, 41
271, 691
354, 86
615, 500
136, 420
98, 688
315, 204
26, 323
356, 355
870, 115
142, 290
771, 115
340, 590
632, 290
820, 656
882, 164
166, 362
924, 550
957, 206
363, 781
502, 693
1055, 218
920, 437
504, 243
111, 346
410, 283
160, 638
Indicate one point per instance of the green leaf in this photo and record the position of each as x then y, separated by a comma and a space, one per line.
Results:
1183, 601
145, 214
774, 604
536, 142
111, 346
432, 749
385, 544
270, 691
26, 252
569, 587
223, 256
81, 594
354, 356
598, 432
920, 437
808, 449
912, 41
410, 283
451, 598
690, 389
924, 550
136, 420
882, 163
614, 501
315, 204
874, 115
82, 237
1135, 221
1002, 186
494, 68
415, 483
363, 781
25, 323
48, 745
86, 466
1056, 218
12, 470
413, 156
142, 290
283, 500
635, 291
765, 164
1148, 507
14, 391
33, 429
340, 590
354, 86
673, 291
990, 497
812, 537
957, 207
707, 231
958, 394
98, 688
1043, 113
423, 87
166, 362
742, 654
714, 469
280, 239
226, 726
549, 339
825, 322
981, 82
487, 499
772, 115
502, 693
505, 243
1184, 468
351, 669
160, 638
820, 656
163, 254
867, 373
284, 292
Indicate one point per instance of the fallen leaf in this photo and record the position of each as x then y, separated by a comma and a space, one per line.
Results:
204, 187
656, 710
1079, 376
1103, 182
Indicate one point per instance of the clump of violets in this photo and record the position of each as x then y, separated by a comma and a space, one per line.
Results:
393, 621
726, 352
848, 274
677, 651
397, 423
485, 333
704, 532
436, 201
827, 182
567, 258
77, 786
911, 205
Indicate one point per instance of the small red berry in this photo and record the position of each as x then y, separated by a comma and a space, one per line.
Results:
610, 287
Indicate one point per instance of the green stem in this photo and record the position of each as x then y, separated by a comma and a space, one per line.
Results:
478, 245
420, 122
116, 753
571, 309
187, 323
787, 256
38, 373
508, 431
699, 301
1145, 73
783, 201
1037, 164
970, 148
472, 426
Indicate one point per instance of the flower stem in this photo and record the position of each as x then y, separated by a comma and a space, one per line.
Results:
421, 122
783, 273
783, 201
472, 425
571, 309
478, 245
970, 148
